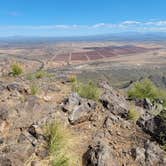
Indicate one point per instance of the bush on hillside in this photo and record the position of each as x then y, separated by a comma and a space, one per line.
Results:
17, 69
133, 114
147, 89
34, 89
89, 91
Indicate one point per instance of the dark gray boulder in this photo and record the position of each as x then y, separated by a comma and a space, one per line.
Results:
149, 155
78, 109
100, 155
113, 101
17, 87
81, 113
154, 155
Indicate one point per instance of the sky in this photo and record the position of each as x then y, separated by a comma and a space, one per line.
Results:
80, 17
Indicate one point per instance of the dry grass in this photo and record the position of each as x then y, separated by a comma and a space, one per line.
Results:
133, 114
16, 69
61, 144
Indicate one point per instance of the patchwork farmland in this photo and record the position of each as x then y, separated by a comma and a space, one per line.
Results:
95, 53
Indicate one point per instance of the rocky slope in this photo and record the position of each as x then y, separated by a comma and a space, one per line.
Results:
106, 137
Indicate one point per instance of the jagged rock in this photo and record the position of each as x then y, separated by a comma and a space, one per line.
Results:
154, 125
37, 133
100, 155
113, 101
30, 138
17, 87
139, 155
148, 105
150, 155
79, 109
32, 131
154, 155
144, 103
81, 113
70, 102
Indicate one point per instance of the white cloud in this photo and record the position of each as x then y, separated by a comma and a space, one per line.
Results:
152, 25
130, 23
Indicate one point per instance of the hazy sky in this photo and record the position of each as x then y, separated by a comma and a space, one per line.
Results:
80, 17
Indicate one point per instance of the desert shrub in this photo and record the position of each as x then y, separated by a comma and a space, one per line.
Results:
89, 91
60, 144
147, 89
133, 114
38, 75
34, 89
73, 78
17, 69
143, 89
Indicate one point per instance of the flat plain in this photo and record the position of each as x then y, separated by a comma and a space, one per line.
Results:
118, 62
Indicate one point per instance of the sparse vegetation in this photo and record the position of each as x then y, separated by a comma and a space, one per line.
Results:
38, 75
133, 114
17, 69
147, 89
60, 144
89, 91
73, 78
34, 89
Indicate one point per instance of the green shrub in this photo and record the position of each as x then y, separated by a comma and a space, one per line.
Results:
73, 78
34, 89
147, 89
89, 91
143, 89
40, 74
16, 69
60, 144
133, 114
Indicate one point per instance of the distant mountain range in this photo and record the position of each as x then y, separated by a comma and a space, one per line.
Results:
124, 36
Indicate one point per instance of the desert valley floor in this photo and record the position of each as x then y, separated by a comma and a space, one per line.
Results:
118, 62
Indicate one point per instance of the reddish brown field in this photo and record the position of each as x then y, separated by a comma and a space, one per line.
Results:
78, 57
101, 52
93, 55
62, 57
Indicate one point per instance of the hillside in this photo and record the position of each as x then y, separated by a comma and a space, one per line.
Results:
44, 121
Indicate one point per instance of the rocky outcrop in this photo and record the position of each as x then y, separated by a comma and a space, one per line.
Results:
100, 155
106, 137
152, 119
79, 109
150, 155
18, 87
113, 101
